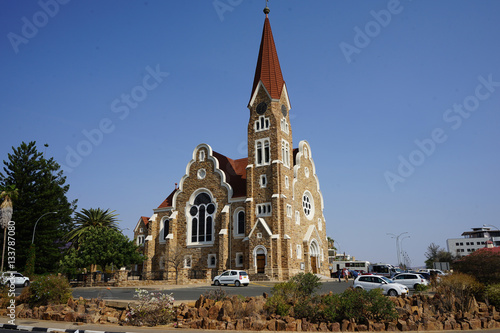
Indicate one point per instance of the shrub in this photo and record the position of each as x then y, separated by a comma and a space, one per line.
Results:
483, 265
358, 305
459, 290
284, 296
492, 294
154, 308
421, 288
307, 284
216, 295
48, 289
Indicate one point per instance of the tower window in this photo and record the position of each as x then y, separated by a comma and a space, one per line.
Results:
264, 209
285, 153
239, 259
297, 217
201, 155
262, 124
284, 125
289, 210
263, 180
262, 152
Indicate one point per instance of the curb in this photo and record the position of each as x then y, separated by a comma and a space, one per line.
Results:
44, 329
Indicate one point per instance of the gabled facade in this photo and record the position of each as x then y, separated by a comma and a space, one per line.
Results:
263, 214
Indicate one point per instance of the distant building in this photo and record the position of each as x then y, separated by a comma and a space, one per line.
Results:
473, 240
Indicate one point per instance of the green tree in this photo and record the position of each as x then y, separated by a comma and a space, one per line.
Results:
42, 189
93, 218
103, 247
436, 254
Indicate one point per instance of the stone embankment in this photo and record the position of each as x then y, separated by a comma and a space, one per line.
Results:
416, 313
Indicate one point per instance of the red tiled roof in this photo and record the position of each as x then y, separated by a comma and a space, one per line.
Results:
145, 220
492, 250
268, 66
236, 173
168, 201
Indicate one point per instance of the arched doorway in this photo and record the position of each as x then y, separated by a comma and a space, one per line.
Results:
314, 255
260, 259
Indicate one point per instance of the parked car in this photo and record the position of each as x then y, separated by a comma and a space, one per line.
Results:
19, 279
389, 287
233, 276
411, 280
425, 275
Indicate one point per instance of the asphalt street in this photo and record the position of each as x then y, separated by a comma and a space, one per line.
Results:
193, 292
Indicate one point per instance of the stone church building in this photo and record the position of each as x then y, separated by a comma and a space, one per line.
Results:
262, 214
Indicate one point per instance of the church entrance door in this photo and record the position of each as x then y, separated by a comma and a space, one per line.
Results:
314, 268
261, 263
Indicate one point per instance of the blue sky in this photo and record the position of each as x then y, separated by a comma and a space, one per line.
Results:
398, 99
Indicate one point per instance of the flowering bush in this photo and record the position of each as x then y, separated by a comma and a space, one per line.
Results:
154, 308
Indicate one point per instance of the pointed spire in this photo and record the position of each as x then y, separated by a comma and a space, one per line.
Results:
268, 68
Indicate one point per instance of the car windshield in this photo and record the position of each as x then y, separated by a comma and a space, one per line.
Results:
386, 279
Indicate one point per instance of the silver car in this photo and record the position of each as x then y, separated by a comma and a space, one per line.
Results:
389, 287
17, 278
411, 280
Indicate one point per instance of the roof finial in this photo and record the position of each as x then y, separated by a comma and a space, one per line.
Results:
266, 10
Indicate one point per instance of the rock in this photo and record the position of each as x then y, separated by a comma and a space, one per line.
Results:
113, 320
334, 327
271, 325
239, 325
202, 312
322, 327
213, 312
71, 303
258, 325
230, 326
378, 327
402, 325
199, 302
475, 324
362, 328
280, 325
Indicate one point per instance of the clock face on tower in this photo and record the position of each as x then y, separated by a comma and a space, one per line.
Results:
283, 110
261, 108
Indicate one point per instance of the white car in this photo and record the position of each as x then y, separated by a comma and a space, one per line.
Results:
235, 277
389, 287
19, 279
411, 280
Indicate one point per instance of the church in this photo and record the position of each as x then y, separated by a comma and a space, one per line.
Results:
262, 214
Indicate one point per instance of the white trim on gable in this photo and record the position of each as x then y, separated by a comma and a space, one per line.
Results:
312, 229
304, 144
264, 224
217, 170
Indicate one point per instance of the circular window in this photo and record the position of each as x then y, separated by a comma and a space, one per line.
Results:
193, 211
308, 205
201, 173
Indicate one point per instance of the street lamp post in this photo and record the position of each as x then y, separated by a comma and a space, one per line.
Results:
403, 252
34, 228
397, 244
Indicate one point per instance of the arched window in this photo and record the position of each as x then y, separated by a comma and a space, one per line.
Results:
262, 152
202, 218
239, 226
166, 228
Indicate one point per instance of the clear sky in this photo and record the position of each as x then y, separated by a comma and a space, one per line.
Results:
398, 99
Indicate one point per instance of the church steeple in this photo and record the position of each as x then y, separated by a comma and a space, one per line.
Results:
268, 69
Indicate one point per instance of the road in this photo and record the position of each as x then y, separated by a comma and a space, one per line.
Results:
193, 292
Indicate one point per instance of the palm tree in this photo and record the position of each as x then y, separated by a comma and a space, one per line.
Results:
7, 194
92, 218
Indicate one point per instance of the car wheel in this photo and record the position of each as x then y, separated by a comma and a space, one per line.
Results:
416, 286
359, 288
217, 282
237, 283
392, 292
26, 283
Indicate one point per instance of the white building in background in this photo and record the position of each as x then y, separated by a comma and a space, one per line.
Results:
473, 240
